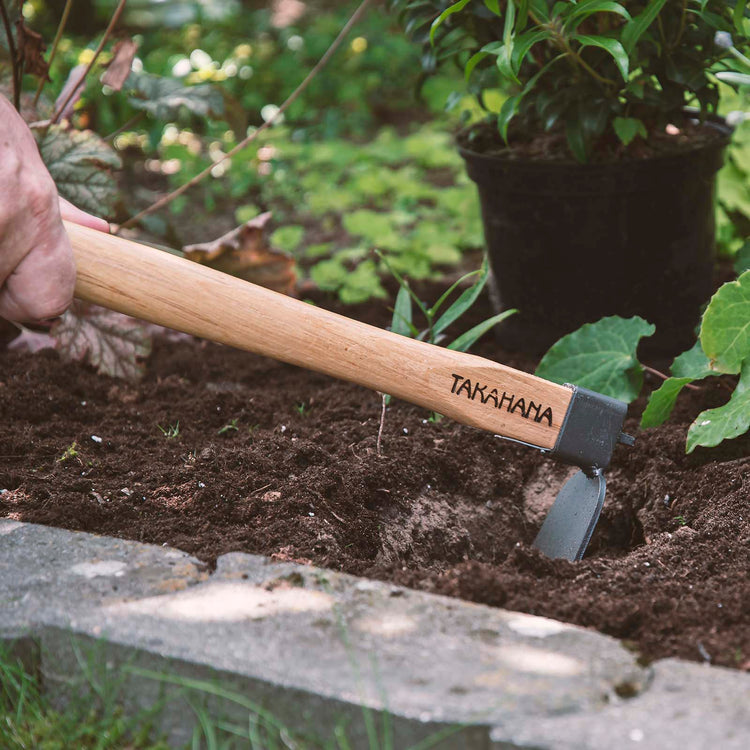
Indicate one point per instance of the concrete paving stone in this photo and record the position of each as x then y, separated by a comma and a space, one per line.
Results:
320, 649
426, 662
686, 707
45, 570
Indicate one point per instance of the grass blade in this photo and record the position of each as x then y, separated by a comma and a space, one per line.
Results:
466, 340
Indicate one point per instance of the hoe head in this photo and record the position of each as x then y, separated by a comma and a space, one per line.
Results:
590, 432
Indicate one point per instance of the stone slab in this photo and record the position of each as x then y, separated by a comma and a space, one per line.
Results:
319, 649
685, 707
45, 570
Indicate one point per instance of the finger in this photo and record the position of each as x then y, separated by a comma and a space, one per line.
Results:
41, 286
69, 212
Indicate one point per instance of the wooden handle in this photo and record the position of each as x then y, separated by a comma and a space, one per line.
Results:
162, 288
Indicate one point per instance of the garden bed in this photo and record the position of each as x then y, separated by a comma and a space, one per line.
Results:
218, 450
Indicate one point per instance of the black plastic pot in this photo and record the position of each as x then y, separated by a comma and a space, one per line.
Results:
570, 243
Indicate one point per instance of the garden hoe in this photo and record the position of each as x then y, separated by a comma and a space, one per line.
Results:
572, 424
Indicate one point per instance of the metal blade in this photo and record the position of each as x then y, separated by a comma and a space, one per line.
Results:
572, 518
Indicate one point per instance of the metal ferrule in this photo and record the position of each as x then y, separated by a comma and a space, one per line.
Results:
591, 429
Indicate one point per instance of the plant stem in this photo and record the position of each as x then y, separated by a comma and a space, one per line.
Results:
13, 57
681, 30
267, 124
112, 21
382, 422
129, 124
58, 35
660, 374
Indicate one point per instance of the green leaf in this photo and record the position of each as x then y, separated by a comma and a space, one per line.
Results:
361, 284
523, 43
404, 284
636, 27
612, 46
736, 79
401, 322
494, 6
587, 8
466, 299
473, 61
164, 98
466, 340
725, 329
738, 15
504, 60
447, 293
662, 401
80, 162
507, 113
287, 238
600, 356
329, 275
742, 260
627, 128
693, 364
713, 426
449, 11
576, 138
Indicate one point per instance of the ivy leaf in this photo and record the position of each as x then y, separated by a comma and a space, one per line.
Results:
725, 329
713, 426
115, 344
662, 401
693, 364
627, 128
742, 261
80, 162
687, 367
600, 356
163, 98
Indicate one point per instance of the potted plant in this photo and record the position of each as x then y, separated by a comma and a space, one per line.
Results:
596, 176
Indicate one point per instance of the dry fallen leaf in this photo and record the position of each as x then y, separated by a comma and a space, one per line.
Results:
119, 69
31, 51
75, 82
245, 252
114, 344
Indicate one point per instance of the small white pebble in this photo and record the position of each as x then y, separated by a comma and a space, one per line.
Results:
424, 421
406, 432
719, 605
283, 428
311, 514
96, 438
83, 403
647, 564
201, 485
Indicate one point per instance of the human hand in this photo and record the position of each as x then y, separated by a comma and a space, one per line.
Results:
37, 270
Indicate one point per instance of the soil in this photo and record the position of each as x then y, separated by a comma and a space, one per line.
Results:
443, 507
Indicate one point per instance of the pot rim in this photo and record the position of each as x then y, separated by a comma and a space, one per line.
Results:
713, 121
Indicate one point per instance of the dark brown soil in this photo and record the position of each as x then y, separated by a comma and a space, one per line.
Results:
444, 508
